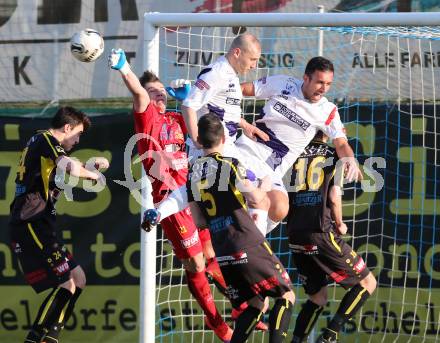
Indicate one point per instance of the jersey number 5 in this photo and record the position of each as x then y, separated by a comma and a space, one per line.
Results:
207, 197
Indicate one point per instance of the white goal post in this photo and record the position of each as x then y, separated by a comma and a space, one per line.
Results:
151, 61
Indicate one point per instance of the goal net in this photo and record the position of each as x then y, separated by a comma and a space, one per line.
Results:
385, 85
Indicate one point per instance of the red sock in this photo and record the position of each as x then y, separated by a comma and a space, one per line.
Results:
199, 288
214, 270
204, 235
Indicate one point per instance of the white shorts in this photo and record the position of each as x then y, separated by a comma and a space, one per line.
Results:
229, 150
253, 156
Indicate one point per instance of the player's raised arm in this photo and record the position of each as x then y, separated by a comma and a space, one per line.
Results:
334, 129
118, 61
76, 168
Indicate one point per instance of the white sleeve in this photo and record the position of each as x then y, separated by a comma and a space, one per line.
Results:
333, 126
269, 86
205, 87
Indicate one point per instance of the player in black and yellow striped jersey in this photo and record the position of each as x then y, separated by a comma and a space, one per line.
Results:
315, 224
219, 191
44, 260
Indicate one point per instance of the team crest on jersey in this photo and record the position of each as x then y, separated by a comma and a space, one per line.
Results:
178, 136
59, 148
182, 229
263, 80
231, 88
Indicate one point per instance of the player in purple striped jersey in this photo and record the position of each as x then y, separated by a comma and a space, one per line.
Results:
294, 112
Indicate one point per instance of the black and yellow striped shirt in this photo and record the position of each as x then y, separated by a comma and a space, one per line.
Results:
313, 174
35, 182
212, 183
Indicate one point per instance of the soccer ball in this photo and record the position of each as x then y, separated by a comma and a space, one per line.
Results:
87, 45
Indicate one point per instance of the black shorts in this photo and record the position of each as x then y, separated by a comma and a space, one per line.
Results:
44, 260
324, 257
255, 271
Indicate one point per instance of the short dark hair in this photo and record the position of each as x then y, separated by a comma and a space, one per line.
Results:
148, 76
318, 63
320, 136
69, 115
210, 130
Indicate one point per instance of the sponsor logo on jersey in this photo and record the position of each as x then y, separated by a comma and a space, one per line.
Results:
319, 150
233, 101
220, 223
290, 115
265, 285
179, 163
19, 189
62, 268
307, 249
191, 241
202, 85
360, 265
311, 198
234, 259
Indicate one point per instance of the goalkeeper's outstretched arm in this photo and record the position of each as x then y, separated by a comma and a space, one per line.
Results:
118, 61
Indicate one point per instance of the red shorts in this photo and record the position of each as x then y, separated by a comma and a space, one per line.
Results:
182, 233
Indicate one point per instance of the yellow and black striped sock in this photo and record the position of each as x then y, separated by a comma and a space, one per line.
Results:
245, 324
49, 313
350, 304
306, 320
279, 320
55, 330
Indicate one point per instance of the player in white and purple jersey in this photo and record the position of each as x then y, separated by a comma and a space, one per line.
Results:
295, 111
217, 90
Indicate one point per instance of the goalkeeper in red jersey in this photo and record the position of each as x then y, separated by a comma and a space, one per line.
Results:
165, 161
